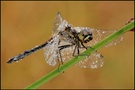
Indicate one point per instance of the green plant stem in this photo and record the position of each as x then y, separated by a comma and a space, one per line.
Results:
76, 59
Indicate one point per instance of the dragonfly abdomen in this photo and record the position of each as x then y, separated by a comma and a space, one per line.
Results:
27, 52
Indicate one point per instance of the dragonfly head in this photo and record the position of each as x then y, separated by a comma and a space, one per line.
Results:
85, 35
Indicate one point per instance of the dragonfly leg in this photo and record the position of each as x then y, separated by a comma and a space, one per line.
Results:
78, 45
60, 56
84, 46
59, 65
59, 51
74, 50
60, 60
63, 47
87, 47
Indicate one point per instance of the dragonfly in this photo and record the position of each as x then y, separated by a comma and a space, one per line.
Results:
68, 41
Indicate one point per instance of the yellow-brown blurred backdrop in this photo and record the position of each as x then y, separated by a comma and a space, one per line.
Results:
26, 24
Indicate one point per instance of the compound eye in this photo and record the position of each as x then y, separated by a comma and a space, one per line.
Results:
87, 38
90, 37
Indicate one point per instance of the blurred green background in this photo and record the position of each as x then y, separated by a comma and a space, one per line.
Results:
27, 24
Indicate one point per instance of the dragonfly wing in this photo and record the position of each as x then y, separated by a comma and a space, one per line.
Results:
59, 24
95, 60
51, 51
66, 53
99, 35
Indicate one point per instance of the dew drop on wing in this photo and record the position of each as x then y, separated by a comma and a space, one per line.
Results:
95, 60
59, 24
67, 54
99, 35
50, 51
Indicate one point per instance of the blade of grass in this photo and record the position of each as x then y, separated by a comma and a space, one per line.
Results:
76, 59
